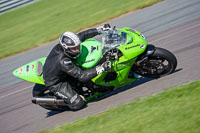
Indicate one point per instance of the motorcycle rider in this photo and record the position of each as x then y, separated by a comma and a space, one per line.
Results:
60, 74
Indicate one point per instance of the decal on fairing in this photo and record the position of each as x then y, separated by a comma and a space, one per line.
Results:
132, 47
123, 65
93, 49
32, 67
89, 60
20, 71
27, 69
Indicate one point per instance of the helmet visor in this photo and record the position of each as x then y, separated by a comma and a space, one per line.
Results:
75, 49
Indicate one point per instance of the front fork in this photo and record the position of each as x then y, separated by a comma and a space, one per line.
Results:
144, 56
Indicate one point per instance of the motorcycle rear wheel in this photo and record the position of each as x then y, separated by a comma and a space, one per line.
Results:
161, 63
39, 91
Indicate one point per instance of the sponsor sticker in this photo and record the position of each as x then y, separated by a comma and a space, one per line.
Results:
132, 46
61, 95
27, 68
93, 49
88, 61
20, 71
67, 62
73, 98
122, 65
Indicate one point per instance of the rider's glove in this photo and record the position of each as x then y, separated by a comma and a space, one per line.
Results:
105, 27
104, 67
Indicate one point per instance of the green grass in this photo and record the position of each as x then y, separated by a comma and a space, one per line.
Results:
46, 20
176, 110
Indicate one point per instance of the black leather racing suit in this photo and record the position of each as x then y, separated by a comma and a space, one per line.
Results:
61, 75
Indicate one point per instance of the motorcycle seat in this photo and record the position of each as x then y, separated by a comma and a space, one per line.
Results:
39, 68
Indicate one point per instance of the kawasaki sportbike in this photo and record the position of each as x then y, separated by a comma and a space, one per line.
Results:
129, 54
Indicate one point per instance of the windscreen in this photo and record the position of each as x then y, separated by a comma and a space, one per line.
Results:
112, 39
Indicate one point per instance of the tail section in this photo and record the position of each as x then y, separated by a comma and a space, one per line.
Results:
32, 71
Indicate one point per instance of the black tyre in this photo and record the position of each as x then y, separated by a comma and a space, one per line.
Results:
40, 91
161, 63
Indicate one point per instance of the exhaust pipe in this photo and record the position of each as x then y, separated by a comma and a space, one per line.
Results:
48, 101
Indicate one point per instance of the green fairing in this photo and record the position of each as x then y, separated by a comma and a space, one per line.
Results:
132, 49
123, 65
91, 54
28, 72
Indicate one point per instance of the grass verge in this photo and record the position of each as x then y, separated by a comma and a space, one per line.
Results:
176, 110
46, 20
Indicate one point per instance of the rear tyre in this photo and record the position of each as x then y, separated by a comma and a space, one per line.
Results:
41, 91
161, 63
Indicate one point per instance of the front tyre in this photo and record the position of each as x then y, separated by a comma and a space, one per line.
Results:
162, 62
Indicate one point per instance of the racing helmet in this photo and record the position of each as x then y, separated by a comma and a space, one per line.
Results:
71, 44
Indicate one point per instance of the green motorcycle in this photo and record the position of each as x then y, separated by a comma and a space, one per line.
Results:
130, 56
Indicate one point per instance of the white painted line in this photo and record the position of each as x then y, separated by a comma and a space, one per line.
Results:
9, 2
194, 26
15, 92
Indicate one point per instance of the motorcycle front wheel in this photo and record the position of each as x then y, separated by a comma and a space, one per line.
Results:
161, 63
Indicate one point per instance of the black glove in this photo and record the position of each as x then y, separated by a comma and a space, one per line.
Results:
105, 27
104, 67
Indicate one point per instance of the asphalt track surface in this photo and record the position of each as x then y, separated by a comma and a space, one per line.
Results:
172, 24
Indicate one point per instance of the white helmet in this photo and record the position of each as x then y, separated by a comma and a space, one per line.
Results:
71, 44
